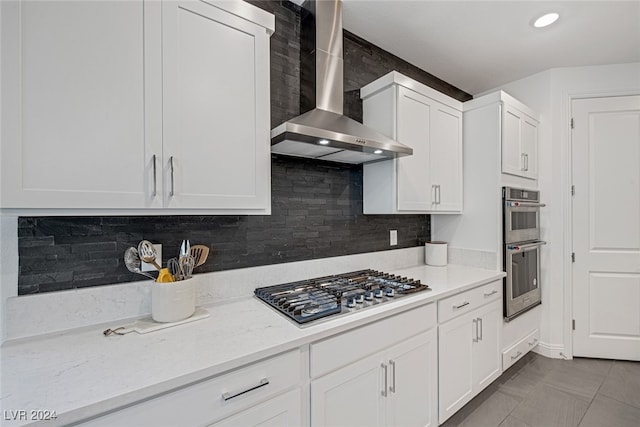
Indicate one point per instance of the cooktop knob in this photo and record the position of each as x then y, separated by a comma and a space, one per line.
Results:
360, 298
377, 293
390, 292
351, 302
368, 295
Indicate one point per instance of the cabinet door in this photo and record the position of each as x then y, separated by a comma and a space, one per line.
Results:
413, 129
455, 356
281, 411
487, 350
73, 105
351, 396
512, 160
530, 147
413, 379
446, 158
215, 108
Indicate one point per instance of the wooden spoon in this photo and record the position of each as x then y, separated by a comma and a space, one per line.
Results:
199, 254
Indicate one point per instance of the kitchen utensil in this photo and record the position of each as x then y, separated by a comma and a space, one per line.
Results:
186, 266
148, 254
132, 262
174, 268
199, 254
183, 248
165, 276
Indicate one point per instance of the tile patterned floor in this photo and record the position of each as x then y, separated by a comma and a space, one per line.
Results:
542, 392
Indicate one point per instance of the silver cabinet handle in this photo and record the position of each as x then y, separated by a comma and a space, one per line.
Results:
439, 194
493, 292
155, 178
228, 396
392, 389
527, 159
434, 196
534, 342
171, 192
384, 390
516, 356
481, 327
456, 307
475, 326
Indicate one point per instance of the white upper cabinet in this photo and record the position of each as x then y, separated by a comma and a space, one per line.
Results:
430, 180
519, 140
101, 98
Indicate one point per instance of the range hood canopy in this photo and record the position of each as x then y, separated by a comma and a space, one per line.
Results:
324, 132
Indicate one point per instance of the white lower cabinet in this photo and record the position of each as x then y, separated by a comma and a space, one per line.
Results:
383, 373
393, 387
469, 354
265, 393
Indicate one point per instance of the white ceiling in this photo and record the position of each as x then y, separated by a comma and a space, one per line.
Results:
480, 45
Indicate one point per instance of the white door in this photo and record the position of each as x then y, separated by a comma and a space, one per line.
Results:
414, 128
606, 227
487, 363
455, 355
446, 157
413, 382
351, 396
73, 101
215, 108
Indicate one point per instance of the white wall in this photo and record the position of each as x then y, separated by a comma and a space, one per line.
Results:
550, 93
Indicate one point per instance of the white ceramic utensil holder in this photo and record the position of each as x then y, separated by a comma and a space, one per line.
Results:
172, 302
435, 253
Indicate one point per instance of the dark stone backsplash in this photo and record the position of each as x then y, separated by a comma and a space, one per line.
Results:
316, 206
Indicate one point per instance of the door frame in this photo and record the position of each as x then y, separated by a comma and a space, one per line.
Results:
567, 176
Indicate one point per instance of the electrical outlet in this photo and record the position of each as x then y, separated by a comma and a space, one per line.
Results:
150, 267
393, 237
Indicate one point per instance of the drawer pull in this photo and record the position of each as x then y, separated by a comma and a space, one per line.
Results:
534, 342
228, 396
493, 292
516, 356
456, 307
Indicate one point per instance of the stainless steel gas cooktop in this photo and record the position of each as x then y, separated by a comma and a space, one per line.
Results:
313, 299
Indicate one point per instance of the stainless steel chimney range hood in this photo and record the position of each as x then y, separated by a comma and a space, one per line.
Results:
324, 132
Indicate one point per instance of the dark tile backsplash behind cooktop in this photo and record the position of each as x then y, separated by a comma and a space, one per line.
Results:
316, 206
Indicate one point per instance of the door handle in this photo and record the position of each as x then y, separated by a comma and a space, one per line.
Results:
392, 389
475, 326
493, 292
456, 307
522, 158
155, 178
434, 196
526, 158
171, 192
384, 389
481, 327
439, 194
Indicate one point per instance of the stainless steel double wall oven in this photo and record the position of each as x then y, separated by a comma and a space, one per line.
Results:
521, 217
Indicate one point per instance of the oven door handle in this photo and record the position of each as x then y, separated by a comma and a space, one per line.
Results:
519, 248
525, 205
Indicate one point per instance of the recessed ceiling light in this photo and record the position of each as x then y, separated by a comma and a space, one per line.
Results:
323, 142
546, 20
377, 152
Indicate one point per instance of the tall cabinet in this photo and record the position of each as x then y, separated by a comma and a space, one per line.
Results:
136, 105
430, 180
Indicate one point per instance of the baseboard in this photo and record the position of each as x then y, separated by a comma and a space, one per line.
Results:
553, 351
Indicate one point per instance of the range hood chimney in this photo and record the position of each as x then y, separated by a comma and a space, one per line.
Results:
325, 133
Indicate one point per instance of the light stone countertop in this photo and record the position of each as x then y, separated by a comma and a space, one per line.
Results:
80, 373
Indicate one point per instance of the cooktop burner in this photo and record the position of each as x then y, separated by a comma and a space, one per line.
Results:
309, 300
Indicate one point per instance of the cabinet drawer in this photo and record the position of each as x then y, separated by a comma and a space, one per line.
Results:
211, 400
519, 349
343, 349
464, 302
